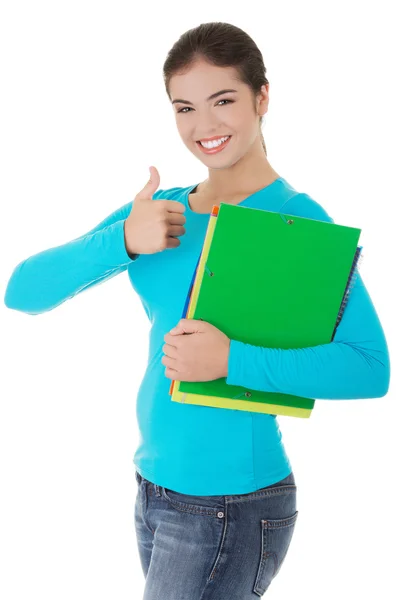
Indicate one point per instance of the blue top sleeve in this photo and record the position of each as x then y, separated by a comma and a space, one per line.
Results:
354, 365
47, 279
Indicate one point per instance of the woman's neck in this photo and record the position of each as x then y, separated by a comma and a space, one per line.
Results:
217, 191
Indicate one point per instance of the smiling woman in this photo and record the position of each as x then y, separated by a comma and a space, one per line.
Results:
216, 507
175, 71
215, 79
215, 487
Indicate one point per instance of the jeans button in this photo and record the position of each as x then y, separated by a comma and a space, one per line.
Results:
220, 514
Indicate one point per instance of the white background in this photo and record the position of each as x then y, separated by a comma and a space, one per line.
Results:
84, 113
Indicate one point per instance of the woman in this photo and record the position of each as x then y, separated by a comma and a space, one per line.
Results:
216, 505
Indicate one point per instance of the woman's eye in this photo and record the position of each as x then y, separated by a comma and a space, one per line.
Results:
223, 100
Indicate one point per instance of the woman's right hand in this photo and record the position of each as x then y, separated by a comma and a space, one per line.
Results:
153, 225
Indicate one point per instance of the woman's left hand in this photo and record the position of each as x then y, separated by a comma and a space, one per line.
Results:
195, 351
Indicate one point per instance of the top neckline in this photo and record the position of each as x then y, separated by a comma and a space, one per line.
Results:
207, 214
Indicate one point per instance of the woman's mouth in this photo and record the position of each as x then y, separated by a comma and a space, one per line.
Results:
215, 149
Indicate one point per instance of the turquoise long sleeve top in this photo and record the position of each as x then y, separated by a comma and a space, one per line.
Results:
201, 450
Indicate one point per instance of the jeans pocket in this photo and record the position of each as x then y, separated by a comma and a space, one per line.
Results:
197, 505
276, 535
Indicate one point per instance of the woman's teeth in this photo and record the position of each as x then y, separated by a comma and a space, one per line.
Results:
215, 145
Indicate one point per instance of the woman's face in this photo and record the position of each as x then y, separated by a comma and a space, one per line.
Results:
228, 114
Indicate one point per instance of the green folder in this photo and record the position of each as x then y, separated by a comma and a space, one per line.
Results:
273, 280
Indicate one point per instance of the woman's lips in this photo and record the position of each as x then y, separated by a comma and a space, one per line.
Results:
214, 150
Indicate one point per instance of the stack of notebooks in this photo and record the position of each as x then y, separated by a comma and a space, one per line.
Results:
272, 280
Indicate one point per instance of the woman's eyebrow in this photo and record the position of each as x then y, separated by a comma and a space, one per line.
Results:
207, 99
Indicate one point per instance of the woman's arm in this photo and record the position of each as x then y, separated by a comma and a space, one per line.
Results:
47, 279
354, 365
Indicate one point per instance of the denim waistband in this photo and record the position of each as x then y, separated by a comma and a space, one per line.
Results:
289, 479
139, 479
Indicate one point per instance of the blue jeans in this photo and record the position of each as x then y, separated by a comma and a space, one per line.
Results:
212, 547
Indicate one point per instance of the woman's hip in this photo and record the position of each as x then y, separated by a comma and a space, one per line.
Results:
228, 545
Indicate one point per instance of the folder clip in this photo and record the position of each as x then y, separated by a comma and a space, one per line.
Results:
290, 221
247, 394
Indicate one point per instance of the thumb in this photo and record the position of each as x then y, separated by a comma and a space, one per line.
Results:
151, 186
187, 326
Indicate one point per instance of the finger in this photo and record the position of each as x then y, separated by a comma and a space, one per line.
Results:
168, 361
172, 374
176, 218
176, 230
170, 351
146, 193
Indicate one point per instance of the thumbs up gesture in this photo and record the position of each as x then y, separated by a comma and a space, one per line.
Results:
153, 225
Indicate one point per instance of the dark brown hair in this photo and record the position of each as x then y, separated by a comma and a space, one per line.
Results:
223, 45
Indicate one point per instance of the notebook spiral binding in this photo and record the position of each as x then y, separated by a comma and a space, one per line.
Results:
358, 257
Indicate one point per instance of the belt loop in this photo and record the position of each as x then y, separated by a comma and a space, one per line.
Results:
157, 488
